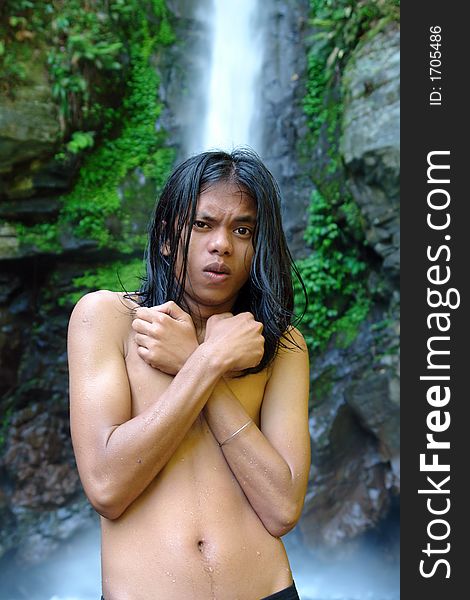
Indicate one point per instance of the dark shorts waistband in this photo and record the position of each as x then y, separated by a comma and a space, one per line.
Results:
289, 593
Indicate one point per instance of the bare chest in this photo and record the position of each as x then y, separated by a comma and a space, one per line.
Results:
146, 384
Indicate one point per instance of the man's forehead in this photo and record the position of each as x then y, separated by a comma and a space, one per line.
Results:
224, 199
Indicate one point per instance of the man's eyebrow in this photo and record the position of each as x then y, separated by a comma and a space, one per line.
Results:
245, 219
203, 216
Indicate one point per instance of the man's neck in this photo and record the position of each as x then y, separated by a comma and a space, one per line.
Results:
200, 314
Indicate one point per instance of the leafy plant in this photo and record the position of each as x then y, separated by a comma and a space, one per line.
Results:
335, 271
333, 276
87, 40
117, 276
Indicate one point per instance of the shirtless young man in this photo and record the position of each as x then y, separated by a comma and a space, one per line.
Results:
189, 413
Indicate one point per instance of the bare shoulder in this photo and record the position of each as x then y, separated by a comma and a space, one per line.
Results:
291, 359
103, 314
294, 335
292, 342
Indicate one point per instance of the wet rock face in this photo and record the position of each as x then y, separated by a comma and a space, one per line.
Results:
281, 117
38, 458
29, 119
354, 423
41, 502
370, 143
354, 427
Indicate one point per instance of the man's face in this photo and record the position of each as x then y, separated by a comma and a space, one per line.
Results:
220, 248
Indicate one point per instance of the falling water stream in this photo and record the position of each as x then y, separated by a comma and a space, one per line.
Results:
235, 57
235, 63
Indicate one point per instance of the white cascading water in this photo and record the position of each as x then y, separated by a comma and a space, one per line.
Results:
235, 64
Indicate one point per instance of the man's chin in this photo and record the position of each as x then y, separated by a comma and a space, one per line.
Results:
209, 302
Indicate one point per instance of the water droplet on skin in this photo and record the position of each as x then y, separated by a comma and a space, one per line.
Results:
258, 553
173, 581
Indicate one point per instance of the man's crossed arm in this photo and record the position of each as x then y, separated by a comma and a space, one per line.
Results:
270, 462
118, 454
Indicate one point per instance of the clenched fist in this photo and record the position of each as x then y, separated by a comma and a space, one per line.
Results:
237, 340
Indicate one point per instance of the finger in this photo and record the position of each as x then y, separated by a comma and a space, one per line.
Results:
142, 341
141, 326
144, 313
143, 353
173, 310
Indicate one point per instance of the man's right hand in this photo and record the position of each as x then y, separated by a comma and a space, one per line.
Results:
165, 336
238, 340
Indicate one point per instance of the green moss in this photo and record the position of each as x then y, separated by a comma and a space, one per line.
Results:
95, 35
117, 276
335, 272
43, 237
4, 425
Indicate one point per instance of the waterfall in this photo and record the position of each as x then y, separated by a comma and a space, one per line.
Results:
235, 59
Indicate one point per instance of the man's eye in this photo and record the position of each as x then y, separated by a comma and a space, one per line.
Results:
243, 231
199, 224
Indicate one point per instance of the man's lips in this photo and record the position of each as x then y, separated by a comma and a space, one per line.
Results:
218, 268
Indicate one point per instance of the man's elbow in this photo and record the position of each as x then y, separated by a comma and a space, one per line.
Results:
106, 503
283, 521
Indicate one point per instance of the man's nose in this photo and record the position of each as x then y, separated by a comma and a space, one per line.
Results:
220, 243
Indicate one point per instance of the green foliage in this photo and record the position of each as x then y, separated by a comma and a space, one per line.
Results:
80, 141
117, 276
87, 41
100, 54
333, 276
340, 25
4, 425
335, 272
43, 236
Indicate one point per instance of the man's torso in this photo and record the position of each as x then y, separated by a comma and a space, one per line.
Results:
192, 534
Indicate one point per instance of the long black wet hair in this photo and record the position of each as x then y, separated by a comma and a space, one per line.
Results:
268, 294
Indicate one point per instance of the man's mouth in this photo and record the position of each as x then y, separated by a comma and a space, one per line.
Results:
217, 269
